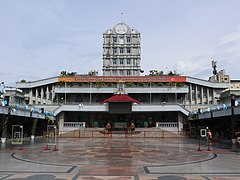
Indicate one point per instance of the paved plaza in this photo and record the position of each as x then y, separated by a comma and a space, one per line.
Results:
120, 159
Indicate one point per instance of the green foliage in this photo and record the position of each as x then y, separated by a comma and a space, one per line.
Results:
159, 84
65, 73
160, 73
129, 84
61, 83
100, 83
34, 126
170, 84
179, 84
233, 127
4, 126
110, 85
192, 116
69, 84
141, 84
171, 73
50, 120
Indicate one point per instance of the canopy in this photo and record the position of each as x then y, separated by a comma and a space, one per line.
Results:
120, 98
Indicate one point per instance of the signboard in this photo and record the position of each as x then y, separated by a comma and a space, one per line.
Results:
123, 79
203, 132
17, 134
51, 135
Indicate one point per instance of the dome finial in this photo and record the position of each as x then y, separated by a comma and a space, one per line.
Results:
121, 17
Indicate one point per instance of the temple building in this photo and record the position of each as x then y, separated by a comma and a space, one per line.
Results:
122, 96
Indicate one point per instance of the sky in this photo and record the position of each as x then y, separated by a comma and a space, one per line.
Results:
41, 38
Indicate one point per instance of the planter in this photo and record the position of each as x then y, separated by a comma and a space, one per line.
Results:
238, 140
32, 137
3, 140
234, 140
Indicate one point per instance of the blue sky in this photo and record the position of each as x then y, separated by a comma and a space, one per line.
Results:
39, 39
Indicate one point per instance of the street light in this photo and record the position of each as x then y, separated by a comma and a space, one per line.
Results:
90, 96
65, 100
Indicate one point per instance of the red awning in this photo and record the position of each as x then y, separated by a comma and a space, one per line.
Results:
120, 98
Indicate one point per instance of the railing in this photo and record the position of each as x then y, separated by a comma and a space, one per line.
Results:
138, 133
71, 126
170, 126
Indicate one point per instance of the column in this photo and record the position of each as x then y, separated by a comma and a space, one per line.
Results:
61, 122
36, 96
53, 93
30, 97
202, 100
41, 95
47, 95
196, 95
207, 96
180, 122
190, 93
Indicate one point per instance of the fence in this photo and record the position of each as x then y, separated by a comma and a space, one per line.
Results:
169, 126
71, 126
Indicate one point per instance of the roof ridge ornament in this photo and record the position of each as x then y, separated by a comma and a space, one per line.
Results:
120, 87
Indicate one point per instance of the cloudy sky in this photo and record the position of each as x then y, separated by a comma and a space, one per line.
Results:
39, 39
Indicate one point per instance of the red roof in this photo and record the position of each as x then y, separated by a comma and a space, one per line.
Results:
120, 98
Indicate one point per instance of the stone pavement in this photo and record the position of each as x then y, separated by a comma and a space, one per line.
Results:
120, 159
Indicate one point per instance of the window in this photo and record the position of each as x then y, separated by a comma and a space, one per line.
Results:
121, 50
135, 62
164, 98
121, 40
121, 61
114, 50
128, 50
128, 72
128, 61
114, 72
121, 72
128, 39
114, 39
114, 61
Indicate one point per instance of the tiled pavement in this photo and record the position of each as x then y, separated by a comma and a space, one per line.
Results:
120, 159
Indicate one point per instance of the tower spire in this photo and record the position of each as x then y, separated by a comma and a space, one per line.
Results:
121, 17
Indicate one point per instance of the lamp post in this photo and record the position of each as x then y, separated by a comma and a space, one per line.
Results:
175, 93
65, 97
150, 93
90, 96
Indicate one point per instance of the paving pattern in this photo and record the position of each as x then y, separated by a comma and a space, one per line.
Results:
120, 159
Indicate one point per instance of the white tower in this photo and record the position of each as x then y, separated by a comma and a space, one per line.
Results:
121, 51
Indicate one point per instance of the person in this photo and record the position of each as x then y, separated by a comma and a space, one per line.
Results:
2, 88
238, 136
209, 138
108, 126
132, 126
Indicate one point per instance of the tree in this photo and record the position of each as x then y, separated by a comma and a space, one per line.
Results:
233, 127
34, 126
4, 126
